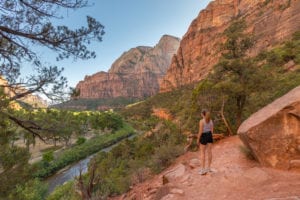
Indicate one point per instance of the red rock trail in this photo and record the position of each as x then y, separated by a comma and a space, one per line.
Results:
236, 178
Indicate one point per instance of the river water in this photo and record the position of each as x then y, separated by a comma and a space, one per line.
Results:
70, 172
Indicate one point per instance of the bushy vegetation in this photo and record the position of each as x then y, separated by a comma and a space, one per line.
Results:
48, 156
96, 104
65, 191
267, 78
57, 126
17, 48
32, 190
178, 102
106, 120
62, 124
76, 153
133, 161
80, 140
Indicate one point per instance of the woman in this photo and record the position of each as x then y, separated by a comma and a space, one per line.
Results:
205, 140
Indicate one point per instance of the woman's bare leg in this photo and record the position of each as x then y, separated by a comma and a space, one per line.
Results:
202, 156
209, 154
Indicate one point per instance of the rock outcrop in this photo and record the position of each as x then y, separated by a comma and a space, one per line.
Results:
31, 99
135, 74
35, 101
273, 133
271, 22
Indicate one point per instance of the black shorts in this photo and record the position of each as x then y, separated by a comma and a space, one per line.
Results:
206, 138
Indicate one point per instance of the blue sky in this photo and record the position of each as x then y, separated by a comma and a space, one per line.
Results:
128, 23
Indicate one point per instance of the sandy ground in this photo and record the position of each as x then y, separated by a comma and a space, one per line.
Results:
236, 178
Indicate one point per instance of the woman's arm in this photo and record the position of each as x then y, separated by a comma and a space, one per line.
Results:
200, 131
212, 127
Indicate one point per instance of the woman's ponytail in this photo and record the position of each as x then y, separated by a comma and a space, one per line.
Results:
206, 115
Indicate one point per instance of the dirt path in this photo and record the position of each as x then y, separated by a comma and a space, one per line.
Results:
236, 178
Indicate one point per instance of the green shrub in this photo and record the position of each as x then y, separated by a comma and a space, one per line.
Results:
32, 190
64, 192
164, 156
106, 120
133, 161
48, 156
95, 104
80, 140
79, 152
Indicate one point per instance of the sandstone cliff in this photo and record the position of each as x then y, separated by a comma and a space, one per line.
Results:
31, 99
35, 101
271, 21
135, 74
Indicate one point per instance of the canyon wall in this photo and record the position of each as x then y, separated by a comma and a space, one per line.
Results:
136, 74
270, 21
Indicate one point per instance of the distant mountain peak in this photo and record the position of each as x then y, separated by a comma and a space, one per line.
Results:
135, 74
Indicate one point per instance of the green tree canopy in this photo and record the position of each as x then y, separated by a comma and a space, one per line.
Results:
235, 77
27, 24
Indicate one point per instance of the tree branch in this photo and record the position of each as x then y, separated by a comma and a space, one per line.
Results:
29, 129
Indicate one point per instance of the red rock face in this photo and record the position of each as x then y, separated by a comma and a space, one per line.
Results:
162, 113
135, 74
271, 23
273, 133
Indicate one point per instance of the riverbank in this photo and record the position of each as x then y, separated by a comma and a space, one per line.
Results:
79, 152
70, 172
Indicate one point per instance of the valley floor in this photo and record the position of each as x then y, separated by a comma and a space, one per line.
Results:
236, 178
36, 151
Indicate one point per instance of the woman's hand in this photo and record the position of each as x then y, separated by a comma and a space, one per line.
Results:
198, 140
200, 132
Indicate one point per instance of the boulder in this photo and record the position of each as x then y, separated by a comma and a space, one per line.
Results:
272, 133
174, 173
194, 163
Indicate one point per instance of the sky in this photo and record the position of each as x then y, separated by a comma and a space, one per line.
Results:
128, 23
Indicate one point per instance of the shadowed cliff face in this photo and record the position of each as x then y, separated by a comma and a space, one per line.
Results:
135, 74
271, 22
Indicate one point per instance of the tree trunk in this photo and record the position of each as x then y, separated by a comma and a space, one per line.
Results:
238, 119
241, 100
223, 117
85, 190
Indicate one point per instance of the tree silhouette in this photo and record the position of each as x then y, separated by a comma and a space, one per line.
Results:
27, 24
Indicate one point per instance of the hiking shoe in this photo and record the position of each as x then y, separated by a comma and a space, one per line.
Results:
211, 170
202, 172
